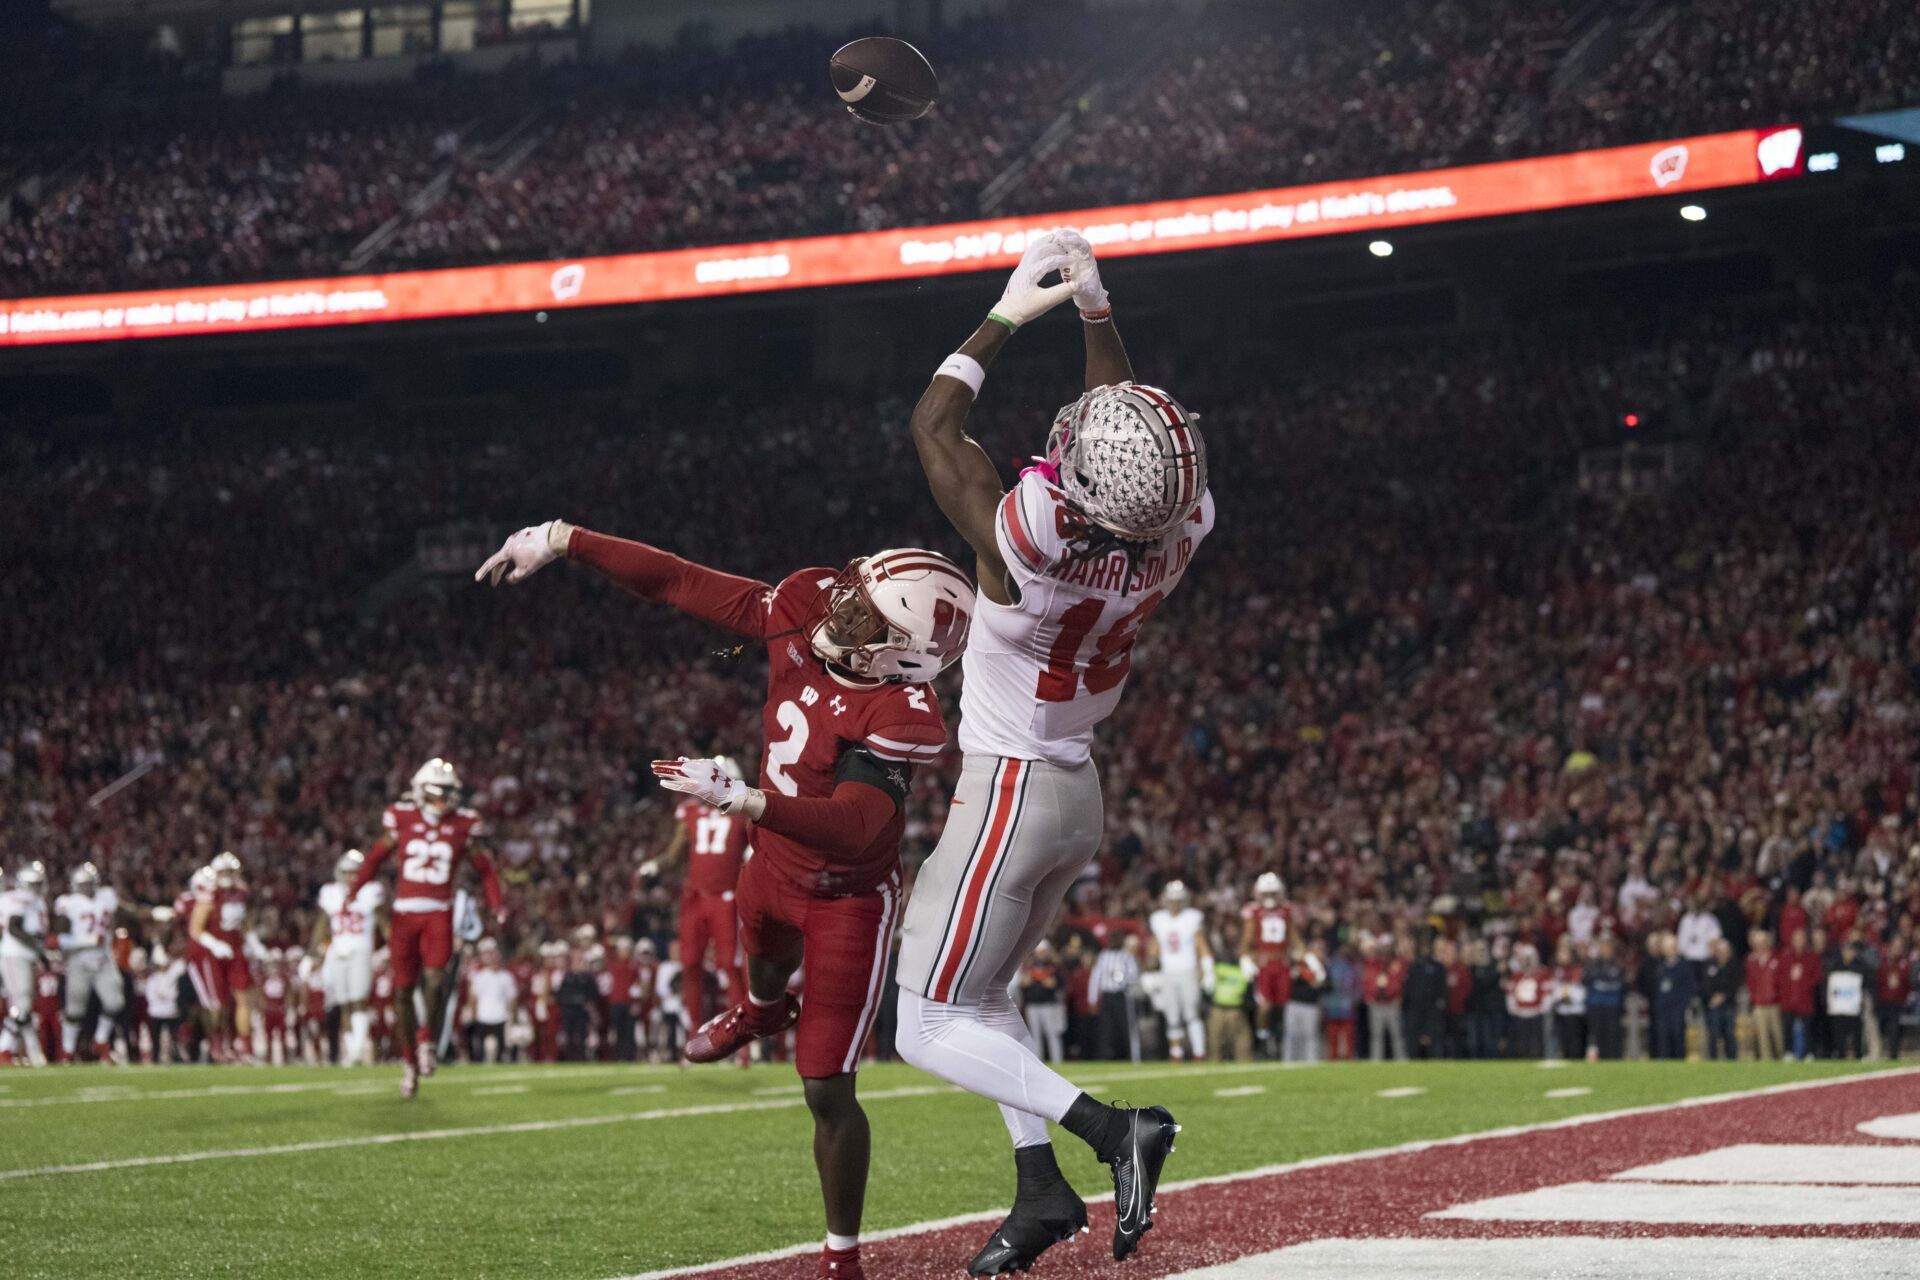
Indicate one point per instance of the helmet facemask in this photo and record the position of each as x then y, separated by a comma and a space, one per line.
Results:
851, 628
932, 607
1131, 460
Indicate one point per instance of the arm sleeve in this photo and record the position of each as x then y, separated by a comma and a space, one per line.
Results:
840, 826
382, 848
489, 878
738, 604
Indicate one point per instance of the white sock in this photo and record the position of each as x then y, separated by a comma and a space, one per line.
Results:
69, 1036
8, 1041
359, 1023
1197, 1037
842, 1242
998, 1013
766, 1004
955, 1043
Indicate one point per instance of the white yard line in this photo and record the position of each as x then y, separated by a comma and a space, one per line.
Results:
436, 1135
1244, 1091
499, 1090
346, 1079
1404, 1091
1577, 1091
1296, 1166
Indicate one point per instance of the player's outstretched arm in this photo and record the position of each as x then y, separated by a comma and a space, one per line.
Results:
738, 604
1107, 361
963, 479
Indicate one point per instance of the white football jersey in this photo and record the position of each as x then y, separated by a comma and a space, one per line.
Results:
350, 924
31, 909
1178, 934
89, 918
1041, 674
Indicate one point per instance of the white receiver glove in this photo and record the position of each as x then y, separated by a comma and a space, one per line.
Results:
215, 948
650, 869
1084, 272
526, 553
1026, 299
705, 781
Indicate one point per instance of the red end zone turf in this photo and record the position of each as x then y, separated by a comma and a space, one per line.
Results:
1787, 1182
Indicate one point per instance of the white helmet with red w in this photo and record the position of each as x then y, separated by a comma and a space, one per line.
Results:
895, 615
436, 787
1130, 459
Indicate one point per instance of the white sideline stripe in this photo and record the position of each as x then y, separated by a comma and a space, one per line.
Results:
434, 1135
1575, 1258
127, 1093
1746, 1204
1244, 1091
1905, 1128
1770, 1162
1404, 1091
1297, 1166
1577, 1091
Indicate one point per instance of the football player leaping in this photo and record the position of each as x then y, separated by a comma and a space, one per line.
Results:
848, 714
1071, 564
433, 835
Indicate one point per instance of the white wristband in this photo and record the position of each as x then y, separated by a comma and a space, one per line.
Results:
964, 368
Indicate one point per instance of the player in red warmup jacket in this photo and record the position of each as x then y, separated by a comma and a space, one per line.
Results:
717, 845
433, 836
848, 714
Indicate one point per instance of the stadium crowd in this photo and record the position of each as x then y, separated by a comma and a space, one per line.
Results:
661, 147
1508, 741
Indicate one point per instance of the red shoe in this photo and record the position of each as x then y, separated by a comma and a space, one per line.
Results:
841, 1264
726, 1034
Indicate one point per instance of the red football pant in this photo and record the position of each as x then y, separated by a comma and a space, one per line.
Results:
421, 940
1273, 983
209, 978
708, 918
1339, 1039
841, 944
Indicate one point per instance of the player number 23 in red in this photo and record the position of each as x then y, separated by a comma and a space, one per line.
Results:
1112, 652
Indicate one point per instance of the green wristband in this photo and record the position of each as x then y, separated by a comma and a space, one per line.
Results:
1011, 326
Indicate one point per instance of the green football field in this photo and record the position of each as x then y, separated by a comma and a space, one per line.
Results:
603, 1171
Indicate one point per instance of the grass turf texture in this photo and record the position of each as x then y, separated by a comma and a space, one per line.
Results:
612, 1199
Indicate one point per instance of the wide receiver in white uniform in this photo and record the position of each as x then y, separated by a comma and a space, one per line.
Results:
345, 931
1180, 941
84, 917
23, 947
1071, 563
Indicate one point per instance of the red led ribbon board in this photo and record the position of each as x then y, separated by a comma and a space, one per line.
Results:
1165, 226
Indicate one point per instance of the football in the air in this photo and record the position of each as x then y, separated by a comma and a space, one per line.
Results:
883, 80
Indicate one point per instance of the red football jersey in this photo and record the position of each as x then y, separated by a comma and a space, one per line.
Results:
228, 919
716, 846
1272, 929
813, 719
430, 852
274, 990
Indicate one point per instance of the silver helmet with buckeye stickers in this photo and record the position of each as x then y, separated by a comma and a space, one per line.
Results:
1130, 459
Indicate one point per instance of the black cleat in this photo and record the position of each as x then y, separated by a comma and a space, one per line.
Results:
1036, 1224
1136, 1172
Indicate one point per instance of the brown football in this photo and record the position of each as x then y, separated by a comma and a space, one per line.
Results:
883, 80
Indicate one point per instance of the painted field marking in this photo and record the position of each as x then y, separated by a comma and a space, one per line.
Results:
498, 1090
361, 1090
811, 1248
1748, 1204
1788, 1163
1554, 1064
1244, 1091
1577, 1091
1404, 1091
780, 1091
1617, 1258
436, 1135
127, 1093
627, 1091
1903, 1128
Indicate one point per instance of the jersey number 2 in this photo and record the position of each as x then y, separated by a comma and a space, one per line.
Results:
788, 750
1112, 652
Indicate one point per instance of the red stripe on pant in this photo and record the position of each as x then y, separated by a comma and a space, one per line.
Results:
972, 900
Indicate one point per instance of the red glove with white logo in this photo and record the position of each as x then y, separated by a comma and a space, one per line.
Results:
705, 781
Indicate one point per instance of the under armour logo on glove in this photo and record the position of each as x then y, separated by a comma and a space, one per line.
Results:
704, 780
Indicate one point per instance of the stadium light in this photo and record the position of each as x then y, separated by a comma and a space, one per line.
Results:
1693, 213
1381, 248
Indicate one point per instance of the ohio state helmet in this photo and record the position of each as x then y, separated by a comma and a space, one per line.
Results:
84, 878
32, 876
349, 866
895, 615
436, 786
1130, 459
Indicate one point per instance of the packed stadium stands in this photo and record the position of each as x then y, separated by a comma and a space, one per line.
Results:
655, 148
1422, 673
